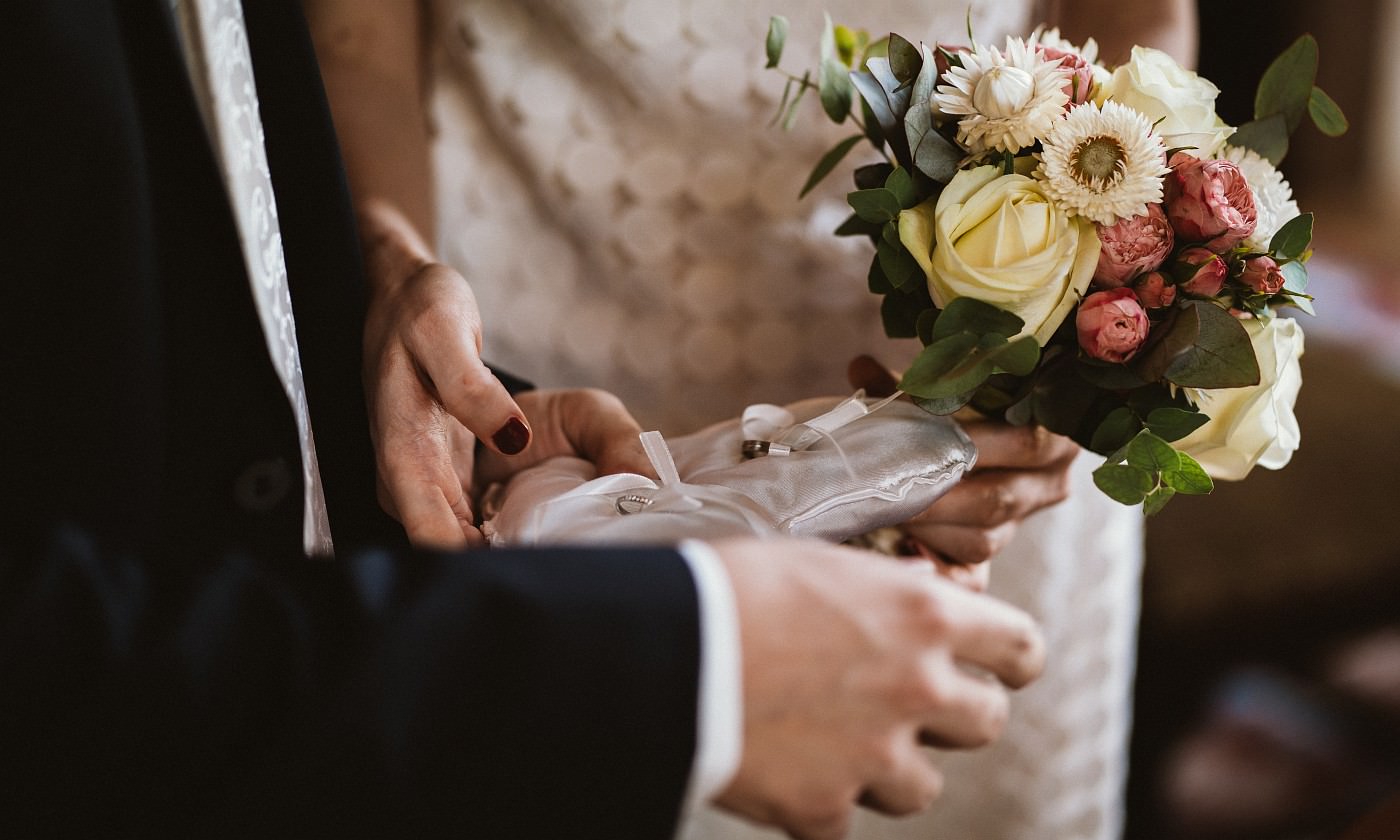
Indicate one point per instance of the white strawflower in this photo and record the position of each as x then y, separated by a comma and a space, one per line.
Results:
1004, 100
1051, 38
1273, 198
1103, 163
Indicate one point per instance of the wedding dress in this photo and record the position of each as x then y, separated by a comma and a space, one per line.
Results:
610, 184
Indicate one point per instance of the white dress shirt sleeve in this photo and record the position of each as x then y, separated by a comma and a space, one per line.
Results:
720, 710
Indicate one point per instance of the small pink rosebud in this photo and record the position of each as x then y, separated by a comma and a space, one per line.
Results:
1155, 290
1132, 246
1200, 271
1112, 325
1081, 73
1262, 275
1209, 201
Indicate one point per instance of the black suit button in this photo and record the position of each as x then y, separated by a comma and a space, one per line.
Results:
263, 485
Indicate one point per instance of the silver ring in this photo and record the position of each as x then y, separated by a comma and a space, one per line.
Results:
632, 503
759, 448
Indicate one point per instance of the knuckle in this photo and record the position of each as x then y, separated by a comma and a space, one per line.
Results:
1026, 652
991, 718
821, 817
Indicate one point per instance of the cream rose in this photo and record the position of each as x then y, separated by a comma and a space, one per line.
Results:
1000, 239
1153, 83
1253, 425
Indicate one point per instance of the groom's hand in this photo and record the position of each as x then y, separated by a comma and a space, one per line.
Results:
849, 665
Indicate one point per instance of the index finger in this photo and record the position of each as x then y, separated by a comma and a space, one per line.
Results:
1002, 445
992, 635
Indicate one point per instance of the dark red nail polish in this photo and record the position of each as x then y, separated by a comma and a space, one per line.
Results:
512, 437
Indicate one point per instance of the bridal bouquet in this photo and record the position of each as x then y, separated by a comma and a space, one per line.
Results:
1087, 248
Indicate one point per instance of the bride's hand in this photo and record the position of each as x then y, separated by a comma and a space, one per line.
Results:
1020, 470
429, 394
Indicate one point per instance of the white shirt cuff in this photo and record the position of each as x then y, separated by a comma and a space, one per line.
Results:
719, 729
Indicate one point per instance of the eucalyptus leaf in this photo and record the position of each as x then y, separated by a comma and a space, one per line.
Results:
905, 60
1157, 500
777, 37
898, 265
1303, 303
876, 280
834, 87
1116, 429
828, 162
871, 91
937, 157
873, 132
1326, 114
924, 326
1292, 240
1124, 483
1268, 137
967, 314
1221, 355
1189, 477
902, 185
1295, 277
896, 92
943, 406
1110, 375
899, 315
1174, 423
872, 176
932, 153
877, 205
939, 357
856, 226
1288, 83
1153, 454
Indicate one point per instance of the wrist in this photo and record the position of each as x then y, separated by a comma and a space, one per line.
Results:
394, 249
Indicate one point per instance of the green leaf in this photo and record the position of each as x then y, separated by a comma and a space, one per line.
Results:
905, 60
783, 103
898, 264
937, 358
924, 326
1188, 478
1303, 303
1201, 346
1157, 500
1174, 423
1124, 483
932, 153
1292, 240
856, 226
1326, 114
877, 205
1151, 453
1115, 430
899, 316
1109, 375
1295, 277
902, 185
876, 280
803, 86
873, 132
937, 157
943, 406
872, 176
967, 314
1267, 137
873, 95
777, 36
846, 44
834, 87
1288, 83
828, 162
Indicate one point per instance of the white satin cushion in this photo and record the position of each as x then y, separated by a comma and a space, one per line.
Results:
878, 470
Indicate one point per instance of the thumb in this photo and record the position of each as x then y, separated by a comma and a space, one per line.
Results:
471, 393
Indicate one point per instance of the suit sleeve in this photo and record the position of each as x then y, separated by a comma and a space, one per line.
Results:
497, 694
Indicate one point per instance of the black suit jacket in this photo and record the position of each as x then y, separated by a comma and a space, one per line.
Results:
169, 662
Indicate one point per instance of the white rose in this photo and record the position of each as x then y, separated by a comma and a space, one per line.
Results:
1253, 425
1002, 240
1153, 83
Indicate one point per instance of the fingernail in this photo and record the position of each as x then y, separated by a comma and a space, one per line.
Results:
512, 437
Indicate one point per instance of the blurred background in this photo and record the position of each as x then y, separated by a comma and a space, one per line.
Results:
1268, 697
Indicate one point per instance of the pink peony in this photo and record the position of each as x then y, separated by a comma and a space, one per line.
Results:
1112, 325
1154, 290
1081, 73
1200, 271
1209, 201
1132, 246
1262, 275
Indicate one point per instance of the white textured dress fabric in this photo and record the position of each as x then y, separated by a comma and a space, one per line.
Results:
610, 185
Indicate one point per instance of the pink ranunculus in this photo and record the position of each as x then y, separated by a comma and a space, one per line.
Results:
1262, 275
1209, 201
1132, 246
1200, 271
1155, 290
1112, 325
1081, 73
